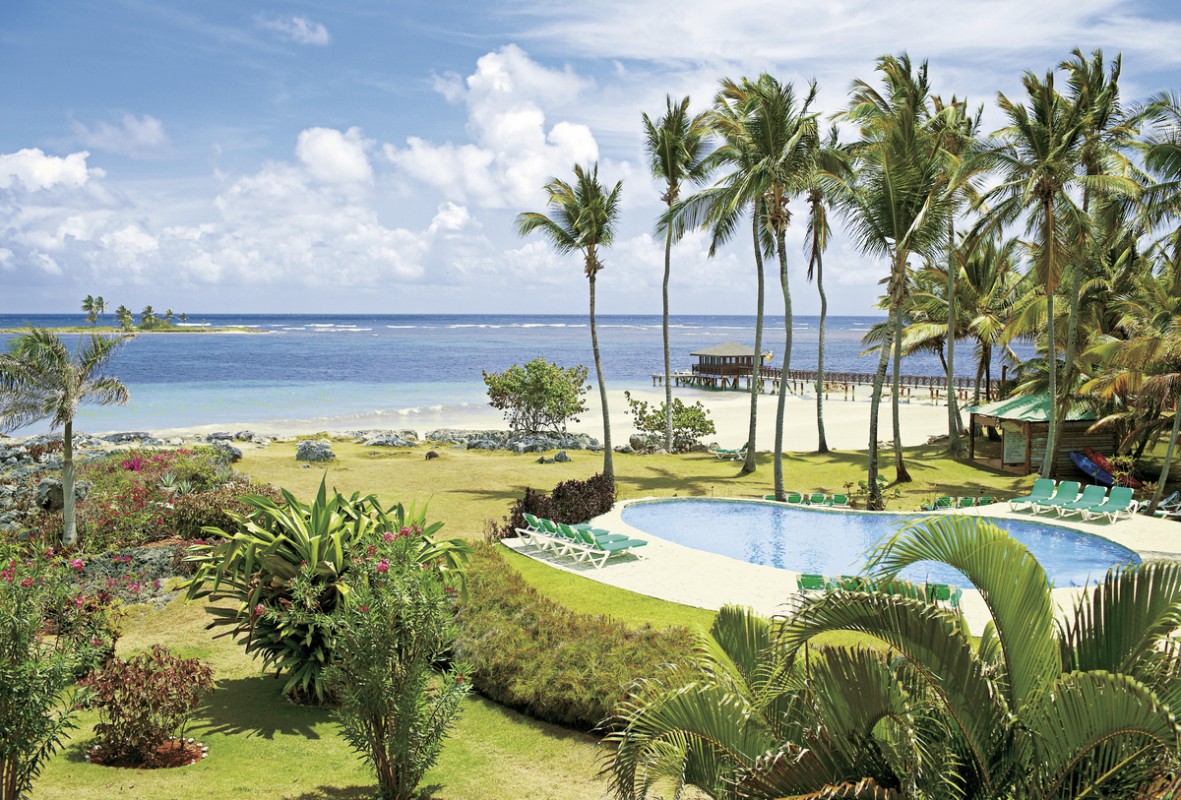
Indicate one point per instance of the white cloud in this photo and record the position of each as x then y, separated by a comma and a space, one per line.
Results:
512, 151
334, 157
36, 171
137, 137
295, 29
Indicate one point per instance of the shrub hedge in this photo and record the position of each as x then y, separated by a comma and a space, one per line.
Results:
571, 502
554, 664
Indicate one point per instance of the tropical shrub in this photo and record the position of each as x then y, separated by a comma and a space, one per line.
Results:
571, 501
690, 423
539, 396
192, 513
554, 664
398, 624
1038, 708
143, 702
50, 633
291, 567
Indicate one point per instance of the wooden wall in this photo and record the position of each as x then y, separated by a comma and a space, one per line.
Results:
1074, 436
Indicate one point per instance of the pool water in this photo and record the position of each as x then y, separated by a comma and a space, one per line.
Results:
835, 543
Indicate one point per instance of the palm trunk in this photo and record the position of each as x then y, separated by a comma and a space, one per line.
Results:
875, 402
668, 386
1047, 470
781, 246
900, 473
70, 528
822, 443
1164, 472
608, 464
953, 412
756, 374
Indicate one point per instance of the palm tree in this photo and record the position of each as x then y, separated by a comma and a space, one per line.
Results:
1039, 158
676, 148
40, 377
91, 311
123, 314
169, 315
100, 305
897, 200
147, 318
1036, 709
585, 216
184, 317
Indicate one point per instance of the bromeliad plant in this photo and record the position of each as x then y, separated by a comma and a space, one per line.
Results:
292, 567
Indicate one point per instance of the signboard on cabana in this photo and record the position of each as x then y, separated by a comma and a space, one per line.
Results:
1013, 443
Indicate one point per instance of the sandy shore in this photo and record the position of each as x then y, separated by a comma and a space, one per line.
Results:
846, 421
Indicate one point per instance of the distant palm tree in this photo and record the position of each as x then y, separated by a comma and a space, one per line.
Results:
40, 377
676, 147
147, 317
169, 315
123, 314
585, 217
91, 310
184, 317
100, 305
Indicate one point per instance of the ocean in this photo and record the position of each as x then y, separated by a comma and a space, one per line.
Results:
317, 372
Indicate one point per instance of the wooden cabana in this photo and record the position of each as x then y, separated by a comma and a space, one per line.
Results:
725, 363
1023, 423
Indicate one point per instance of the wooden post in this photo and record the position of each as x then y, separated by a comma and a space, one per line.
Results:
972, 437
1028, 447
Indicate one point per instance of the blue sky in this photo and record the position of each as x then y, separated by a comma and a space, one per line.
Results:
370, 156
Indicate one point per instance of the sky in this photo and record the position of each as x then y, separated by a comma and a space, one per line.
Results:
370, 157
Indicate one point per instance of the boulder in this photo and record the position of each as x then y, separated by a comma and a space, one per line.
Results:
219, 436
311, 450
51, 497
626, 449
431, 455
131, 437
562, 458
388, 440
638, 442
227, 451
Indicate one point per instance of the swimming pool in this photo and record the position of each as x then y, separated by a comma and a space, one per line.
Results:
835, 543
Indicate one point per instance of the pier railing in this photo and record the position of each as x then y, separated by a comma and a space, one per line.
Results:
730, 375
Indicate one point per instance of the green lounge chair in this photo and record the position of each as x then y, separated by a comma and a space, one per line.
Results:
1168, 507
811, 583
1092, 497
940, 503
850, 583
839, 501
1042, 489
793, 498
983, 500
965, 502
1118, 503
817, 499
945, 593
579, 533
597, 552
732, 455
1067, 493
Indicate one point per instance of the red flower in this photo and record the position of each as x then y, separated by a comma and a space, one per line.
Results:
259, 610
76, 563
383, 565
27, 582
388, 536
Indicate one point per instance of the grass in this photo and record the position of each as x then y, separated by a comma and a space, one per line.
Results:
266, 749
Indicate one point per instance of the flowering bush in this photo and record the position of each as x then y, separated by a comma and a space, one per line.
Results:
292, 566
399, 623
143, 702
50, 633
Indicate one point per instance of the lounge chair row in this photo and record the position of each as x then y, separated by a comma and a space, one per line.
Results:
1065, 498
813, 499
722, 454
1169, 507
580, 542
936, 592
950, 501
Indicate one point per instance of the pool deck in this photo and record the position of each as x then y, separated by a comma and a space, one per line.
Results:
706, 580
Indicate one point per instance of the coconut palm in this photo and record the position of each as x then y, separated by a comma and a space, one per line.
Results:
40, 377
676, 145
1036, 709
815, 243
896, 200
88, 305
100, 305
169, 315
585, 217
123, 314
147, 318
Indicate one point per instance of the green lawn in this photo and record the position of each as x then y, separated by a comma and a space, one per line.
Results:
262, 747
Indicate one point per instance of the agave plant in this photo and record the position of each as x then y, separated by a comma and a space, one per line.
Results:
290, 566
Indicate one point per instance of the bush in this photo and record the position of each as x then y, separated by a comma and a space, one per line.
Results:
191, 513
571, 501
144, 701
291, 568
539, 396
690, 423
39, 596
554, 664
397, 625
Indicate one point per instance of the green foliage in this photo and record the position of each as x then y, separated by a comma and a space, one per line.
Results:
192, 513
571, 501
552, 663
291, 568
145, 700
38, 595
540, 396
690, 423
399, 623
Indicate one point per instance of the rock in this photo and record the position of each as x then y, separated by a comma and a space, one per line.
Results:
227, 451
219, 436
245, 436
660, 451
432, 455
51, 497
562, 458
626, 449
388, 440
544, 460
638, 442
130, 437
700, 448
311, 450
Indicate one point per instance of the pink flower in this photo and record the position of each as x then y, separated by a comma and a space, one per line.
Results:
405, 531
95, 641
388, 536
383, 565
459, 678
27, 582
76, 563
371, 550
49, 552
259, 610
364, 609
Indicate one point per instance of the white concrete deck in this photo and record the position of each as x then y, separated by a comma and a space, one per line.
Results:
696, 578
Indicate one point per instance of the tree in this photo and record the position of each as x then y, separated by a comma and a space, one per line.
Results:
1036, 709
40, 377
169, 315
540, 396
690, 423
123, 314
815, 243
895, 197
585, 219
675, 144
147, 318
88, 305
100, 305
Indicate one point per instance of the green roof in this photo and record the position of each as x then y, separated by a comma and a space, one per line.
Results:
1027, 408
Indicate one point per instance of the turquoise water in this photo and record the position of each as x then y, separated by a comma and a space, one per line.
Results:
835, 543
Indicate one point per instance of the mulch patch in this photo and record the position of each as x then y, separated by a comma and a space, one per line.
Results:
173, 753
